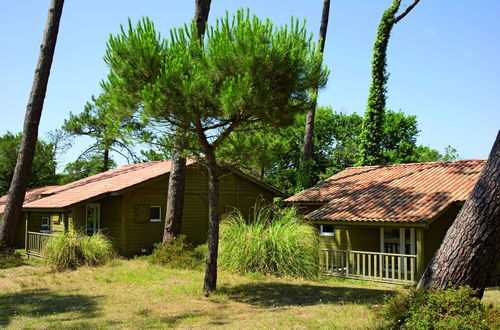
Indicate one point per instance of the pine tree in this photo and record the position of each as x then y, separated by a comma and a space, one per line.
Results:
246, 74
30, 131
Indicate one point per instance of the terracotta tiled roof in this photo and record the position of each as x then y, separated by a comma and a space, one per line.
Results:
392, 193
100, 184
30, 196
57, 197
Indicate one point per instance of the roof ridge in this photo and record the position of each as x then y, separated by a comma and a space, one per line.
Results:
422, 163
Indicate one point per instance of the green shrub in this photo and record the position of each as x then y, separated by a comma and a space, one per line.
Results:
10, 258
177, 253
71, 249
97, 249
454, 308
273, 241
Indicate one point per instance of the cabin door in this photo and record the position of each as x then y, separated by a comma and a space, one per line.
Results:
397, 240
93, 218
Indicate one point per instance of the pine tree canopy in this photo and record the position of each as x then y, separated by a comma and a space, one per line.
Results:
245, 74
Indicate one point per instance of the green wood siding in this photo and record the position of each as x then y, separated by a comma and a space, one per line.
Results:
433, 236
234, 192
111, 215
142, 235
353, 238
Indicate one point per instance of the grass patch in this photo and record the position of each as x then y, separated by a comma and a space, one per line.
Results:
138, 294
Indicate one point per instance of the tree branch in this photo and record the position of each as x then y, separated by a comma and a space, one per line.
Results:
403, 14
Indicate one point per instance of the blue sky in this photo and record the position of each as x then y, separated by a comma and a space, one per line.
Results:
443, 59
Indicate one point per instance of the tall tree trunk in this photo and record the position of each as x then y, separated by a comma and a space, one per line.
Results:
470, 250
201, 10
304, 178
24, 163
373, 121
105, 161
177, 180
210, 283
175, 197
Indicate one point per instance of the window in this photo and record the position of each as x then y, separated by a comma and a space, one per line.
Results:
155, 213
45, 223
326, 230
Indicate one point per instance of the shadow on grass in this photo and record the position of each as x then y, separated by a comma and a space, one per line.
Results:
42, 302
282, 294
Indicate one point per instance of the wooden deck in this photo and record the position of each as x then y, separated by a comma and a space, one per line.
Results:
35, 242
372, 266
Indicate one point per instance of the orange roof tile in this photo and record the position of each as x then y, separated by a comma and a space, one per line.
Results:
100, 184
57, 197
392, 193
31, 195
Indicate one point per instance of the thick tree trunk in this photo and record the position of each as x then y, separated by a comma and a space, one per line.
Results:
177, 180
175, 198
210, 283
24, 163
470, 250
307, 146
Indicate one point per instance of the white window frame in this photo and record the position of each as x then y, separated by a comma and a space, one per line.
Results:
326, 233
155, 220
45, 226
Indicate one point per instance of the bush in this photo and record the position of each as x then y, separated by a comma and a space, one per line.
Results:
454, 308
10, 258
178, 253
273, 242
71, 249
97, 249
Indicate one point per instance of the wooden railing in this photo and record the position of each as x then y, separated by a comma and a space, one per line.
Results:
35, 242
373, 266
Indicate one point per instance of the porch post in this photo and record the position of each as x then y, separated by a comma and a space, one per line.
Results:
26, 217
382, 239
420, 252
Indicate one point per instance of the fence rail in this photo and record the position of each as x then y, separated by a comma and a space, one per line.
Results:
35, 242
373, 266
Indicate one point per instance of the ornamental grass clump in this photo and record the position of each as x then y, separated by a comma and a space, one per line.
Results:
272, 241
72, 249
97, 249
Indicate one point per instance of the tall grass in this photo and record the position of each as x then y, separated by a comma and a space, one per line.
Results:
273, 241
72, 249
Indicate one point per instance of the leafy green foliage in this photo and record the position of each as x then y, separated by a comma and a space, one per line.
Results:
178, 253
454, 308
44, 163
108, 138
10, 258
247, 74
373, 123
275, 155
72, 249
85, 166
273, 241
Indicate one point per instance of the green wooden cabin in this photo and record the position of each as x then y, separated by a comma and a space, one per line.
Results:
384, 223
128, 204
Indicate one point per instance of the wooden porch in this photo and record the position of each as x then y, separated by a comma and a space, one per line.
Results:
372, 266
35, 242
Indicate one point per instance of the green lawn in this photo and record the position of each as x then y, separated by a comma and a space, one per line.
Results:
134, 294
